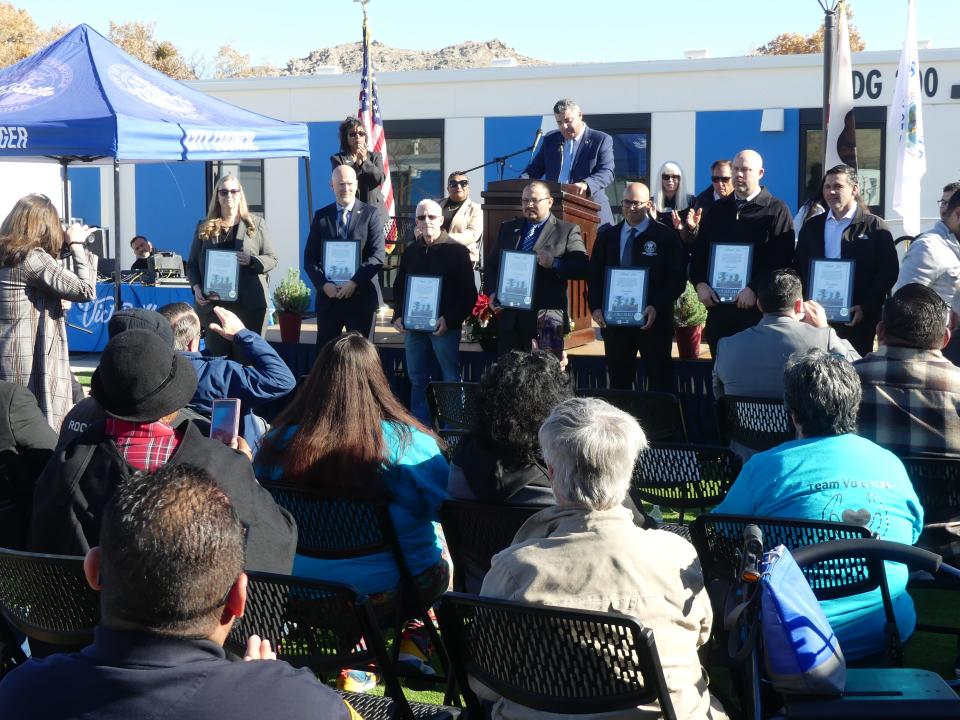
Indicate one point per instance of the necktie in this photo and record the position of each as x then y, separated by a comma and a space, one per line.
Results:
342, 224
529, 239
566, 161
626, 257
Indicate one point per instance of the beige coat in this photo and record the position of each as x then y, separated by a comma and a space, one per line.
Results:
466, 226
600, 561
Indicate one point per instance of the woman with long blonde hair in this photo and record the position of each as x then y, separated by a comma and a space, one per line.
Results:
36, 287
230, 226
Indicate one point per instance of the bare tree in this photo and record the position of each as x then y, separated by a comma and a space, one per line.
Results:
231, 63
138, 39
797, 44
20, 36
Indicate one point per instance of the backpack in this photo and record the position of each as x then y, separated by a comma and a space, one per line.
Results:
800, 650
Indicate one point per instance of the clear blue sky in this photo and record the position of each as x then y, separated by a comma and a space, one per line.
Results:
604, 31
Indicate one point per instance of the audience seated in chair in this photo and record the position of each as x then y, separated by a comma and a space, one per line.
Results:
169, 569
586, 553
142, 385
911, 392
346, 434
266, 377
829, 473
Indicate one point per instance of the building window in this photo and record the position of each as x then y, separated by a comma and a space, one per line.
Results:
250, 175
631, 152
415, 152
871, 155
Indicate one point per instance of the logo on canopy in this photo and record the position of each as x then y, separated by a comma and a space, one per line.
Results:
41, 84
132, 82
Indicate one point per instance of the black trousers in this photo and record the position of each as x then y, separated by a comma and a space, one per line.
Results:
726, 320
621, 345
339, 315
516, 329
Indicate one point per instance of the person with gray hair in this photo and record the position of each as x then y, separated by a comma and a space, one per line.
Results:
586, 553
577, 155
829, 473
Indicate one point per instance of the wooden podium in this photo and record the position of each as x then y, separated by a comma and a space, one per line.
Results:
501, 202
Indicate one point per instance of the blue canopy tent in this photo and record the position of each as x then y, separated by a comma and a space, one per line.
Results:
83, 100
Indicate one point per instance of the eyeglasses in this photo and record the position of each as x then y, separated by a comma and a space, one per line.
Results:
458, 183
634, 203
665, 176
423, 218
224, 192
356, 133
720, 178
941, 203
533, 201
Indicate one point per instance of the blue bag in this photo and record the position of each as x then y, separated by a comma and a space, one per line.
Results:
801, 651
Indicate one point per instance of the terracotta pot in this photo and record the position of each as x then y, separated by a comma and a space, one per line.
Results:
688, 341
290, 327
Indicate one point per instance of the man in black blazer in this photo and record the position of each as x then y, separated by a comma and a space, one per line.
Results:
847, 231
639, 242
561, 256
352, 304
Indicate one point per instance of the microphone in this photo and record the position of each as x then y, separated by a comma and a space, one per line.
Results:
536, 141
752, 552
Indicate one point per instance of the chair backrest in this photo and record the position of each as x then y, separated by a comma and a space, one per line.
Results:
937, 484
453, 405
475, 532
757, 423
719, 542
551, 659
399, 229
47, 598
452, 438
659, 413
684, 476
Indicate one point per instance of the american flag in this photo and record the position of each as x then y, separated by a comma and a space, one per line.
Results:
369, 114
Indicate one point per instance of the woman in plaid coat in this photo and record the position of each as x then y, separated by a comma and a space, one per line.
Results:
34, 286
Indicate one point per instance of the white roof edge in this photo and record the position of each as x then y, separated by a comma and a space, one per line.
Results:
535, 72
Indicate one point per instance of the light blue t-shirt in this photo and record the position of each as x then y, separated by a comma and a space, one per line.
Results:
849, 479
416, 477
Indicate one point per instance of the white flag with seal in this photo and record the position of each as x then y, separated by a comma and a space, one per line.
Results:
905, 123
841, 144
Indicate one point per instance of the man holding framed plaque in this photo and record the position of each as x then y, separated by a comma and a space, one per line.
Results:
343, 256
847, 260
636, 273
433, 294
743, 237
558, 253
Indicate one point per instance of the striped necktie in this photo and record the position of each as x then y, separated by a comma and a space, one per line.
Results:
342, 223
529, 239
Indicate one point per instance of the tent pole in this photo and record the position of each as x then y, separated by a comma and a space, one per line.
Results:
65, 189
116, 234
306, 166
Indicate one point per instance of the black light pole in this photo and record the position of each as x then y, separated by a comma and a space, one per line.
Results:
829, 44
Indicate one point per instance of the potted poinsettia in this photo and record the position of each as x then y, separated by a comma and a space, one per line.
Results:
689, 315
481, 325
291, 298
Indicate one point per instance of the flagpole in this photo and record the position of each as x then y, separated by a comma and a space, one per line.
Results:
829, 40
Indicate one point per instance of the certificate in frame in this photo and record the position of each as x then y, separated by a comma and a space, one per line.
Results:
421, 302
221, 275
625, 296
831, 285
341, 258
730, 269
517, 274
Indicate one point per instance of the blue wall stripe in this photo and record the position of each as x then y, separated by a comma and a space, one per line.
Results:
85, 194
504, 135
171, 200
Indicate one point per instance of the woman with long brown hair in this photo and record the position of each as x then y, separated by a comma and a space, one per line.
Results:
356, 152
35, 284
231, 226
346, 434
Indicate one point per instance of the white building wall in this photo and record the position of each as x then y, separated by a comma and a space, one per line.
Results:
463, 148
282, 213
670, 140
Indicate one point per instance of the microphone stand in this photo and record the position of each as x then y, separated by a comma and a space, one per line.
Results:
501, 161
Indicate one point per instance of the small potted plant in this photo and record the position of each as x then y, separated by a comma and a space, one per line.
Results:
689, 315
481, 325
291, 298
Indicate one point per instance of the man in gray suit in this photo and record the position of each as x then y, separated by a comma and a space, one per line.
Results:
751, 362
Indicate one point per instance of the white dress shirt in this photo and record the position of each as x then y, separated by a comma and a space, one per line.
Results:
833, 232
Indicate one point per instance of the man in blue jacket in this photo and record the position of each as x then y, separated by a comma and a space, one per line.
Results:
576, 154
263, 376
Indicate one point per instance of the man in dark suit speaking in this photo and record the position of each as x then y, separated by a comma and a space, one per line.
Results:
350, 303
561, 256
576, 154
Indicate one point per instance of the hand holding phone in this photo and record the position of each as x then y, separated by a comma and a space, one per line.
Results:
225, 420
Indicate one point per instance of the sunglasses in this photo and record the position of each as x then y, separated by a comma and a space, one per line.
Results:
670, 177
225, 192
720, 178
423, 218
458, 183
357, 133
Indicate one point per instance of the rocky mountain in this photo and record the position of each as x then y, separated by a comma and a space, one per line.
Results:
349, 57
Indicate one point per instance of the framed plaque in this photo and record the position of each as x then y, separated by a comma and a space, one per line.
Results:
517, 272
831, 285
625, 296
341, 258
421, 302
221, 275
730, 269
